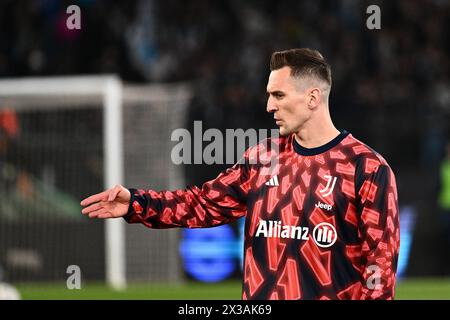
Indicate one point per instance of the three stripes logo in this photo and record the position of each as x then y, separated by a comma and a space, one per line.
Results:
324, 235
273, 181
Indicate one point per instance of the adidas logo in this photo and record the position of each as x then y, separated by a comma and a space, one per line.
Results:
273, 181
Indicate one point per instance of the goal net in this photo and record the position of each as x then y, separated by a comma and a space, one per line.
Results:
64, 138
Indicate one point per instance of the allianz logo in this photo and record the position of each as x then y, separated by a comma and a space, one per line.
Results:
324, 234
325, 206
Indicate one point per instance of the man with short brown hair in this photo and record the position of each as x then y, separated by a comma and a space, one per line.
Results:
324, 225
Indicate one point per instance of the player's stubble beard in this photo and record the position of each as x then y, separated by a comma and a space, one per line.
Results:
286, 130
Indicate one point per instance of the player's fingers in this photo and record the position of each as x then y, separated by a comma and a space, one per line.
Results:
113, 193
93, 207
102, 196
105, 215
96, 213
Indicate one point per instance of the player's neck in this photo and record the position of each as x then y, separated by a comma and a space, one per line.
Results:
316, 132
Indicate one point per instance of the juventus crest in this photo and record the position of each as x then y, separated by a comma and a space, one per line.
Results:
329, 187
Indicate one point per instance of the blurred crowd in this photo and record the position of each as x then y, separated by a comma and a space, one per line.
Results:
390, 86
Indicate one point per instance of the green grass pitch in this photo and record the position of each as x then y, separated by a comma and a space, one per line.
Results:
433, 288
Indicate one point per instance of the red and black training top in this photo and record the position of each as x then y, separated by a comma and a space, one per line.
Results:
321, 223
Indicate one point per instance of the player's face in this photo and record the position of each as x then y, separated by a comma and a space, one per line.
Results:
287, 101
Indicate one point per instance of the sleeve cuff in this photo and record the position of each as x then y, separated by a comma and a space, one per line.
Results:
131, 211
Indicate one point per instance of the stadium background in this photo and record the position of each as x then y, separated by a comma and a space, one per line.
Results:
390, 89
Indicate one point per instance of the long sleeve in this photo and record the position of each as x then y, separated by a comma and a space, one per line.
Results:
219, 201
379, 232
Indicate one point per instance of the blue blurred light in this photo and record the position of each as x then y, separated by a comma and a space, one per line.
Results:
407, 224
209, 254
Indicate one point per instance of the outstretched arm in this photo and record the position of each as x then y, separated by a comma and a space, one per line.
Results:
217, 202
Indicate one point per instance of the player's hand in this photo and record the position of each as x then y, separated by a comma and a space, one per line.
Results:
112, 203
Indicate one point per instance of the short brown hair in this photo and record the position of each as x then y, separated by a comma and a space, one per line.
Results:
303, 62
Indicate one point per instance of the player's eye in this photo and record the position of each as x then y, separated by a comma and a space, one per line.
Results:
276, 95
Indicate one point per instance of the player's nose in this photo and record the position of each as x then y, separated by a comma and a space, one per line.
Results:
271, 107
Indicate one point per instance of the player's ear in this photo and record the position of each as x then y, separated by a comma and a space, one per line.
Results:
313, 97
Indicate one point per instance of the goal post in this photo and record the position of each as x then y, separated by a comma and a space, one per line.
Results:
113, 146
